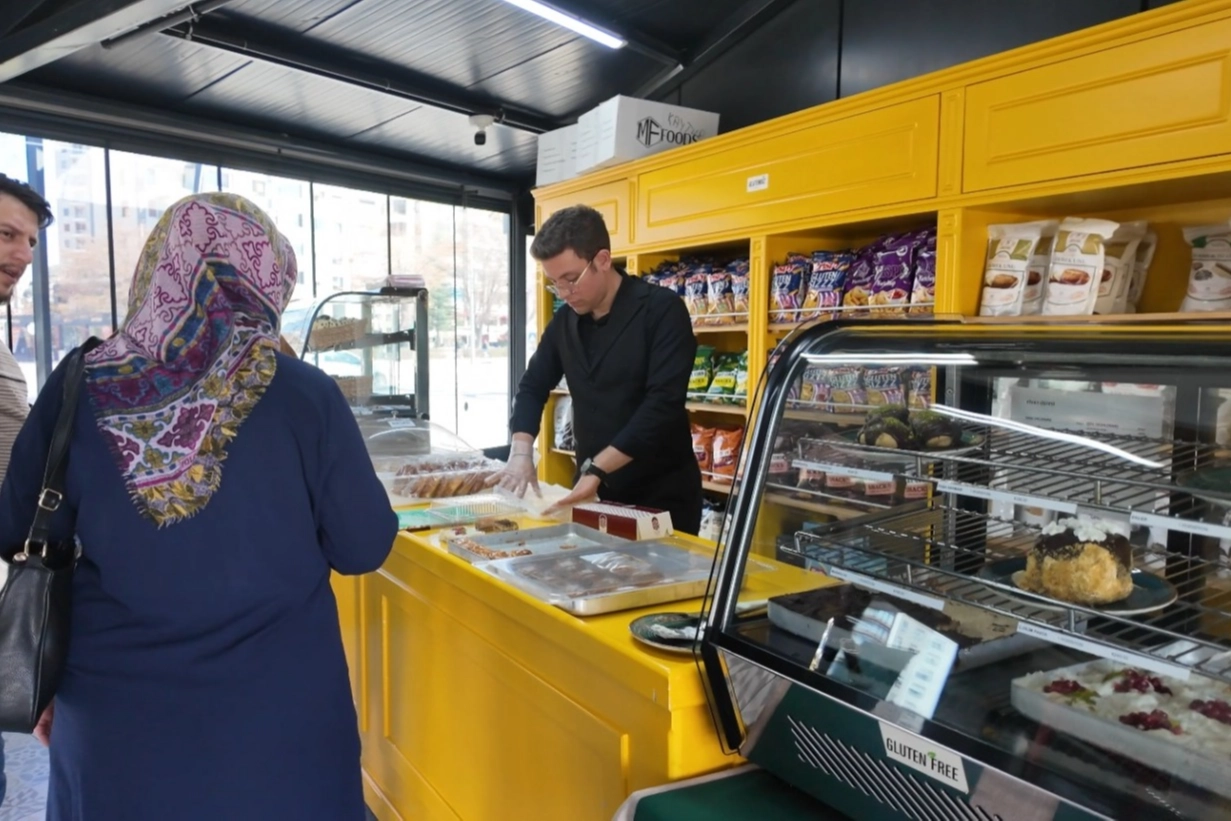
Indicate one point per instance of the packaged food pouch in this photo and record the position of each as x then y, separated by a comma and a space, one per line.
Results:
858, 290
923, 293
812, 387
1009, 249
702, 370
919, 394
1119, 257
672, 281
892, 281
741, 379
786, 294
1036, 271
825, 283
696, 294
740, 281
726, 453
703, 447
846, 393
720, 298
883, 386
1141, 270
1209, 284
1076, 266
722, 388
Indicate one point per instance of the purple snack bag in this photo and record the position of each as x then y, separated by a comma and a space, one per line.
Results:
923, 295
892, 280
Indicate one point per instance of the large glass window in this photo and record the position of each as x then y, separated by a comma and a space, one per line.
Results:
352, 239
483, 326
289, 204
78, 258
142, 188
422, 241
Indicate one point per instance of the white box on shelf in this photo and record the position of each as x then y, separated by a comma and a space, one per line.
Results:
557, 155
625, 128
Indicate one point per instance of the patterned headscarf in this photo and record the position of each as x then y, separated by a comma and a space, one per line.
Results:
196, 353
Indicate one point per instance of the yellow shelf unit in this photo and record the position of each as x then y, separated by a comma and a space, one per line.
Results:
1126, 121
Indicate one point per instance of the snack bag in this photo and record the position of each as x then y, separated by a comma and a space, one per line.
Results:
858, 289
1076, 266
919, 393
883, 386
846, 393
892, 281
1009, 250
703, 447
1036, 270
1209, 284
720, 298
726, 454
722, 388
814, 388
923, 293
786, 294
696, 293
1119, 257
1141, 270
825, 284
702, 370
740, 281
740, 396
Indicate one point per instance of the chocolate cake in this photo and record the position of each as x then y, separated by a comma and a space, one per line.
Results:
1082, 560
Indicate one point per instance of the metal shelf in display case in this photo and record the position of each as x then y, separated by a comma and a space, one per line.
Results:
373, 343
1099, 452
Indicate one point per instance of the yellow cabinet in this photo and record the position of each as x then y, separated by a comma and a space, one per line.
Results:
1160, 100
880, 157
613, 200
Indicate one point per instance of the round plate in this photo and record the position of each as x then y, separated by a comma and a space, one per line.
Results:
1150, 592
642, 632
848, 442
1212, 480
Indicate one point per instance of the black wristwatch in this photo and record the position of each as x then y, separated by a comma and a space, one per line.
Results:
588, 468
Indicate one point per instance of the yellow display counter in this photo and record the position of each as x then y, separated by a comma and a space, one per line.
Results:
481, 703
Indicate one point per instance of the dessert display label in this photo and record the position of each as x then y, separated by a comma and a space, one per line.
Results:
1196, 528
993, 495
844, 470
888, 589
1126, 657
1088, 412
924, 756
918, 687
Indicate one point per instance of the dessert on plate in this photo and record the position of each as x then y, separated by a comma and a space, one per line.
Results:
1082, 560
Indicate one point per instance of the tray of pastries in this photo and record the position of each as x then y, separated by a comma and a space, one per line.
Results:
498, 542
437, 477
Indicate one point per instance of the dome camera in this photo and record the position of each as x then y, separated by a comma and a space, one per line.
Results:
481, 122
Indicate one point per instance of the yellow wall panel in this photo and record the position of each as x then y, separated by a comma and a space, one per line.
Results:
614, 200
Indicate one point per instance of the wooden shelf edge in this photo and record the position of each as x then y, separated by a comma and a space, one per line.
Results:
711, 407
739, 328
716, 487
835, 510
1100, 319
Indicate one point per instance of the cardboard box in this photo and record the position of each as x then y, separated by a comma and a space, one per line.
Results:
624, 521
625, 128
557, 155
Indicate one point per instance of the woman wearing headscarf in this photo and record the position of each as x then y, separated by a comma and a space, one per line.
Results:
214, 483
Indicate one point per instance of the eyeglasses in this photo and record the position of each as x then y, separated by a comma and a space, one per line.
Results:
562, 287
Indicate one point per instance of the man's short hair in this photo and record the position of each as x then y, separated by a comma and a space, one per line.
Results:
578, 228
29, 198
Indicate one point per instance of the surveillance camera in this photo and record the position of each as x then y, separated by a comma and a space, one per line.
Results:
481, 122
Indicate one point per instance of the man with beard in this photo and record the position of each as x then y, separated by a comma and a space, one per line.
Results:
23, 213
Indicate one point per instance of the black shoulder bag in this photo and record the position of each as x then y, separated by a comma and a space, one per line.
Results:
36, 601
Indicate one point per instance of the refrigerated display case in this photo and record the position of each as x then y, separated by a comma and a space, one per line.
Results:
373, 343
1041, 626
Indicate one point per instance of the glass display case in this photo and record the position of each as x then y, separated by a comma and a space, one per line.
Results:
1022, 600
373, 343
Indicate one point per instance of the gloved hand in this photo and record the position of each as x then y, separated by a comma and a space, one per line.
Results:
518, 474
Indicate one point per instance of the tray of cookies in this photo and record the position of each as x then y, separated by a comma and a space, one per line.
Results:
510, 543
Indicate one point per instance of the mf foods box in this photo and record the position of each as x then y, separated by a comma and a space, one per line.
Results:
625, 128
557, 155
624, 521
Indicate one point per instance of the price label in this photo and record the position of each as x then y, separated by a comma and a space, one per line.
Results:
1183, 525
760, 182
993, 495
1125, 657
919, 686
843, 470
888, 589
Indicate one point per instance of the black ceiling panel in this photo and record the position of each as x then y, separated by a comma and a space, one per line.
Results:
679, 23
884, 41
795, 54
448, 137
297, 15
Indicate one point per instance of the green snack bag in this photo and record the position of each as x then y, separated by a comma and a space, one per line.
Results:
702, 370
722, 388
741, 379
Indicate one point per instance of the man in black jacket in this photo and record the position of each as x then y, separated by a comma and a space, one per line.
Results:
627, 349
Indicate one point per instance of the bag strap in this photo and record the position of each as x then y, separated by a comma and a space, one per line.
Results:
52, 494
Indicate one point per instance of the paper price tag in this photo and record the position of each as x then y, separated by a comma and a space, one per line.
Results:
885, 587
919, 686
1183, 525
1125, 657
993, 495
843, 470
